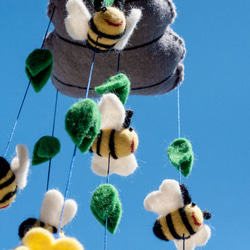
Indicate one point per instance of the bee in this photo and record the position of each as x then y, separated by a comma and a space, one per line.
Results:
107, 29
180, 218
13, 176
50, 214
116, 141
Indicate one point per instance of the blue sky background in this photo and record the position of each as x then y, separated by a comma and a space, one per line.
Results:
214, 101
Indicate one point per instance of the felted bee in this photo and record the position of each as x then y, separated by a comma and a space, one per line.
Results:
116, 139
13, 176
107, 29
180, 219
50, 214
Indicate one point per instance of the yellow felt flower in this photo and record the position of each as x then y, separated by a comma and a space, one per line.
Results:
40, 239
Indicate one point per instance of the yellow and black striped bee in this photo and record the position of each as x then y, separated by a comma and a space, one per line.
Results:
117, 141
14, 176
107, 29
50, 214
180, 219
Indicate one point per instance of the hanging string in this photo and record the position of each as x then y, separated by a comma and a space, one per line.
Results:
106, 223
183, 239
74, 153
118, 63
53, 131
105, 3
179, 122
24, 98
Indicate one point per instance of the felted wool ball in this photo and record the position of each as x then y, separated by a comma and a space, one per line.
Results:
152, 58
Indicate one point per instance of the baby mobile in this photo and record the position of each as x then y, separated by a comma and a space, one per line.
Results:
114, 30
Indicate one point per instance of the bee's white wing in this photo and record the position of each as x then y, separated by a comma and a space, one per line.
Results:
20, 165
131, 22
76, 22
123, 166
198, 239
112, 112
69, 211
166, 199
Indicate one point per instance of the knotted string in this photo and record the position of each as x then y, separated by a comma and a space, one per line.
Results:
74, 152
24, 98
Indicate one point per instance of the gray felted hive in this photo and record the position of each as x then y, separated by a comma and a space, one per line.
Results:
152, 58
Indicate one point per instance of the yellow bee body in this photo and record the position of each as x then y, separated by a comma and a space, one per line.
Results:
118, 144
179, 224
8, 185
32, 223
108, 25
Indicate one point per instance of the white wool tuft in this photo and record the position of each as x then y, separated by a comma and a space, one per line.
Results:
198, 239
20, 165
76, 22
166, 200
123, 166
112, 112
51, 209
131, 22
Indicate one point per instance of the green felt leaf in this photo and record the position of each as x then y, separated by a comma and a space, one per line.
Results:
82, 122
109, 2
118, 84
181, 155
105, 204
39, 65
45, 148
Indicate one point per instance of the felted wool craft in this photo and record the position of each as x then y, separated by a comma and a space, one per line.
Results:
116, 139
39, 238
45, 148
105, 205
181, 155
152, 58
39, 66
50, 214
180, 218
118, 84
82, 122
13, 176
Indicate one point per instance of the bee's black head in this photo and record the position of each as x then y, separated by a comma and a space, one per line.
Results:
4, 167
206, 215
26, 226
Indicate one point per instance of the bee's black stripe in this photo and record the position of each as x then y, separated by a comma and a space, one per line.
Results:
157, 229
105, 46
95, 30
8, 196
185, 221
98, 144
8, 182
171, 227
112, 144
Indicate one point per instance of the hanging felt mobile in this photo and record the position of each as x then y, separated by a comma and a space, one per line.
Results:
152, 57
13, 176
116, 139
180, 218
50, 214
40, 238
106, 206
181, 155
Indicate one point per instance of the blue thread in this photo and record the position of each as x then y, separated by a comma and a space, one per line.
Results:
91, 69
20, 109
183, 242
118, 63
105, 3
53, 130
179, 122
106, 223
67, 187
